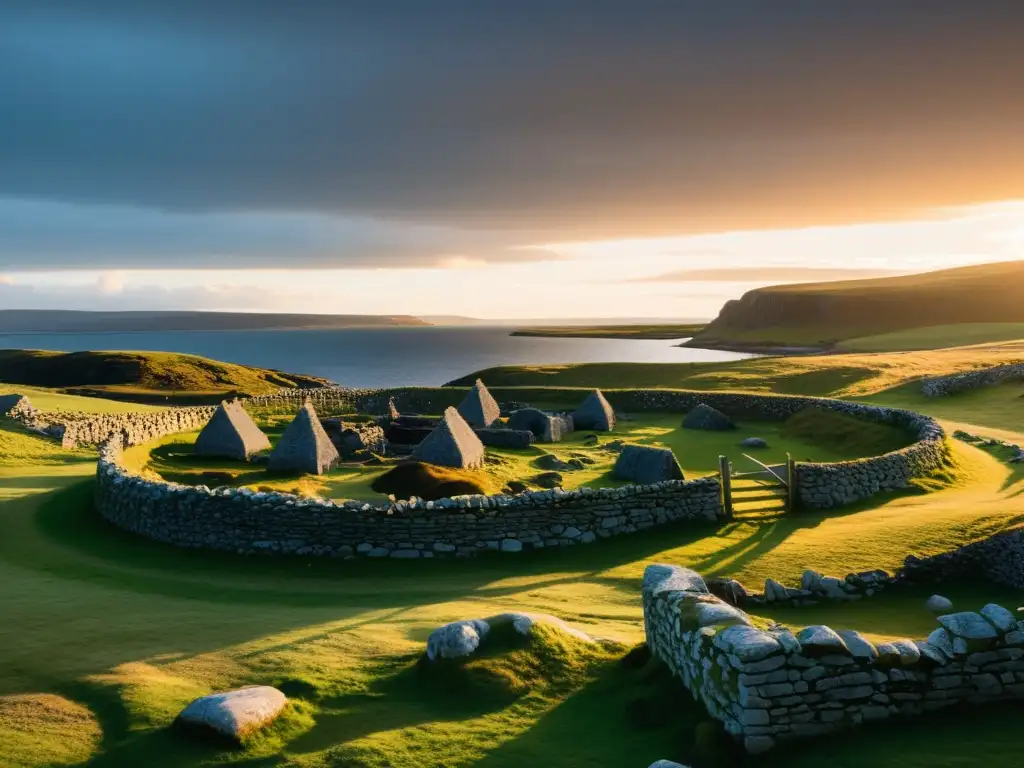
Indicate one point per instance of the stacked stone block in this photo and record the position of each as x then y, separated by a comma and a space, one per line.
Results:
773, 685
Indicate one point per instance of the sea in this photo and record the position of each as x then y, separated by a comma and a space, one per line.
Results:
378, 357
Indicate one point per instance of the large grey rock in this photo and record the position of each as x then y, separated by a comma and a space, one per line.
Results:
236, 713
747, 643
304, 446
452, 443
231, 433
703, 416
968, 625
594, 412
546, 427
462, 638
858, 645
479, 408
672, 578
666, 764
646, 464
938, 604
999, 617
821, 640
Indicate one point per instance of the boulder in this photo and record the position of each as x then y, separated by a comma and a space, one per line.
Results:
753, 442
729, 590
968, 625
594, 413
938, 604
703, 416
646, 464
666, 764
479, 408
235, 714
462, 638
452, 443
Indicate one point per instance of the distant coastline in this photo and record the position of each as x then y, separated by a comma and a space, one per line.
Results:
24, 321
664, 331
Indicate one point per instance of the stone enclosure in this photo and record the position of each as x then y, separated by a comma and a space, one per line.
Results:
245, 521
774, 685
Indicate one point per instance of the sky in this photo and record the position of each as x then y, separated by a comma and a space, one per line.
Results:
475, 157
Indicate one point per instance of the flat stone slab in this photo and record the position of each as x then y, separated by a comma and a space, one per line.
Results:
238, 713
968, 625
672, 578
747, 643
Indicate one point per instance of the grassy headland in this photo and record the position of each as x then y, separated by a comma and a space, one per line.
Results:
667, 331
826, 314
148, 377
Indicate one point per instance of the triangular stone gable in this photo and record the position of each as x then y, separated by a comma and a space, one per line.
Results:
231, 433
453, 443
479, 408
304, 446
595, 412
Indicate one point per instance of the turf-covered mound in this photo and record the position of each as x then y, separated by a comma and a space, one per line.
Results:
703, 416
517, 653
427, 481
829, 429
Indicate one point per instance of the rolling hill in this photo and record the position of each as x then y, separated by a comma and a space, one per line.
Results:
823, 314
147, 377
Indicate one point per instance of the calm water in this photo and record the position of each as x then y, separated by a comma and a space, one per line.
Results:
377, 357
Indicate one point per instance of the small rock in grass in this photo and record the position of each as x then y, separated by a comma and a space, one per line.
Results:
235, 714
754, 442
938, 604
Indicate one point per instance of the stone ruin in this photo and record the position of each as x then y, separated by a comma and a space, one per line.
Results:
231, 433
594, 413
304, 446
545, 427
452, 443
479, 408
774, 685
647, 464
703, 416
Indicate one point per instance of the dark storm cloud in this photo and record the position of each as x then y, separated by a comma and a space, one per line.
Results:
559, 120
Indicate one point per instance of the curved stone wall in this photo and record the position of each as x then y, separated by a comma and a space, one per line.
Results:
245, 521
820, 485
939, 386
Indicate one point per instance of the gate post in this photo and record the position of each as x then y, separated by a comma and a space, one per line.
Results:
791, 497
725, 473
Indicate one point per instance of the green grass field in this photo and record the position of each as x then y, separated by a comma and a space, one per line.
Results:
106, 636
936, 337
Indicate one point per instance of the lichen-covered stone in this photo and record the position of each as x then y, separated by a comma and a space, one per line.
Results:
235, 714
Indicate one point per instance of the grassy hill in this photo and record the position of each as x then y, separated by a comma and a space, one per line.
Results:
157, 377
823, 314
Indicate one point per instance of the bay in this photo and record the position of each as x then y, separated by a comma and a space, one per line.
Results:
378, 357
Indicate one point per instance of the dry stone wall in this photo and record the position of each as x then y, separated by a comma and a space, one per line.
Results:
819, 485
939, 386
246, 521
773, 685
998, 558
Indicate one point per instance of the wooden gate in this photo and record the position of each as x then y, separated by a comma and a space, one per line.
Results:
763, 490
